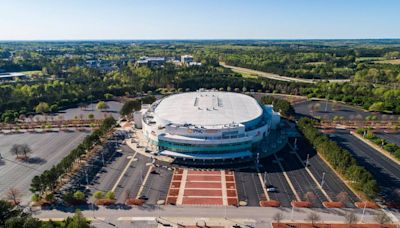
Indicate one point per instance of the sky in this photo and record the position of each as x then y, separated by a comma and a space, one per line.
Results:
198, 19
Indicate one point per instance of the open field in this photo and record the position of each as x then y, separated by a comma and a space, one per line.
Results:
48, 149
389, 61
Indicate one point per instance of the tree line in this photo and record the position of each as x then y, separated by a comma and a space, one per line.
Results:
340, 159
392, 148
48, 180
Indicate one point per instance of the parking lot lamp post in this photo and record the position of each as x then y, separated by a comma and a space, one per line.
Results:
323, 179
291, 213
308, 156
102, 157
363, 213
295, 144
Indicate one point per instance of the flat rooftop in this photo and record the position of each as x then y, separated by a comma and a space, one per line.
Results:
208, 108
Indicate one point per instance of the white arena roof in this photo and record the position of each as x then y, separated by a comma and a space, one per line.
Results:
207, 108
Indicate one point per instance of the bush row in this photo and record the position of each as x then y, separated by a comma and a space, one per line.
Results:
389, 147
340, 159
48, 179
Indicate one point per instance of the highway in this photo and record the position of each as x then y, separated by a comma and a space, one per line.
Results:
272, 76
390, 137
386, 172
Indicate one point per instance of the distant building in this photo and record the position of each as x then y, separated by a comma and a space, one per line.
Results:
151, 61
12, 76
186, 58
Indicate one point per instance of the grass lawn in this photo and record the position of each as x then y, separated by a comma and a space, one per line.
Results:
389, 61
33, 72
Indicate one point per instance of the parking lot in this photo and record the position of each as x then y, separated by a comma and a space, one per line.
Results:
47, 150
329, 109
386, 172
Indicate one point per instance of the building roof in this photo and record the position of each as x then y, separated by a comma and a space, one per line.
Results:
208, 108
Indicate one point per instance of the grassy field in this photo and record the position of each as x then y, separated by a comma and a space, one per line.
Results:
389, 61
363, 59
33, 73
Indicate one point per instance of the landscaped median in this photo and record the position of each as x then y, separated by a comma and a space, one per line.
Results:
340, 160
390, 150
49, 181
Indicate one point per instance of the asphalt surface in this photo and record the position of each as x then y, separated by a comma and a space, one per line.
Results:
302, 181
157, 185
249, 187
390, 137
329, 109
386, 172
332, 185
69, 114
48, 149
274, 176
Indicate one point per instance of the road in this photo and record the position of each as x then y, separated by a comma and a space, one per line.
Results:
390, 137
272, 76
386, 172
47, 150
333, 185
263, 216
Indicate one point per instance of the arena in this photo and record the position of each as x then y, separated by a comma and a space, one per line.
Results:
206, 126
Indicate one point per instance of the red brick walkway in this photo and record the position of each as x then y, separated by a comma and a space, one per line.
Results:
202, 187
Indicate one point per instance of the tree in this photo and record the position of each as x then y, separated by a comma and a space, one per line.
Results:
342, 197
278, 218
42, 107
80, 196
309, 196
25, 150
13, 194
129, 107
90, 116
15, 150
313, 218
350, 218
78, 221
7, 211
377, 107
98, 195
101, 105
382, 218
110, 195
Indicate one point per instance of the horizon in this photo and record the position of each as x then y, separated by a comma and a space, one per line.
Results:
47, 20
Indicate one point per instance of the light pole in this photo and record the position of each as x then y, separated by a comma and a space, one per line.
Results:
291, 213
323, 179
363, 212
308, 156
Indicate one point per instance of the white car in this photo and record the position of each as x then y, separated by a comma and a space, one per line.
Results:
272, 189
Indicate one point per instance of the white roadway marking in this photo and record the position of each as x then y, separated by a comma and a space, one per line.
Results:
144, 181
263, 186
311, 175
287, 179
123, 172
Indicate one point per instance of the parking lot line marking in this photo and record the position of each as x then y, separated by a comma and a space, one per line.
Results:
144, 181
182, 187
287, 179
311, 175
263, 187
123, 173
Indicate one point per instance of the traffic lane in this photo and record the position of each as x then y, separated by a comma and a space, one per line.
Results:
381, 167
132, 180
333, 185
301, 180
112, 171
370, 155
249, 187
157, 184
276, 178
390, 137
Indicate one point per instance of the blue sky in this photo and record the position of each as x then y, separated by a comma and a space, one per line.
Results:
198, 19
